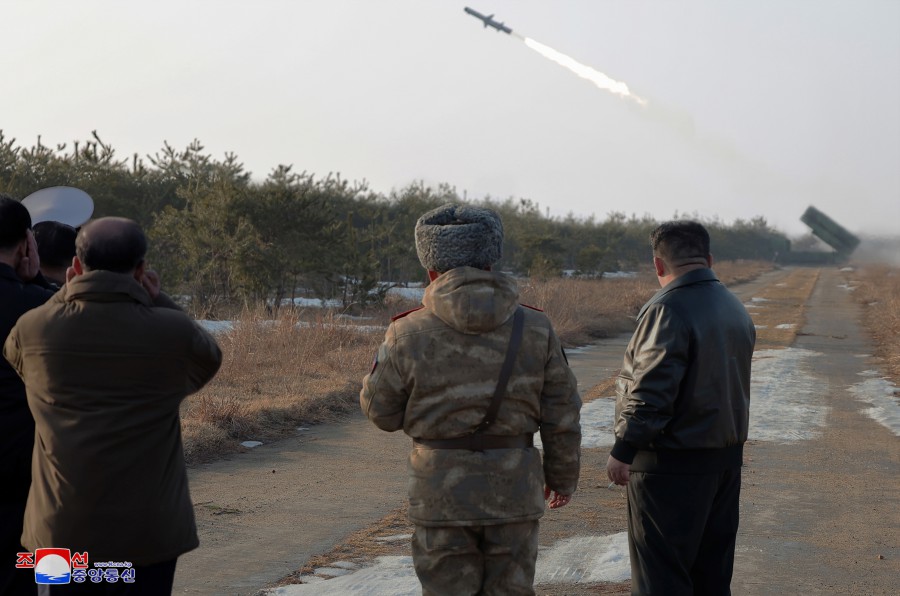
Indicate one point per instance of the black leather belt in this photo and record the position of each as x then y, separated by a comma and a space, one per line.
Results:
477, 442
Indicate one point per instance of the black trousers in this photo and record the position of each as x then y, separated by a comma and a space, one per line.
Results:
149, 580
681, 532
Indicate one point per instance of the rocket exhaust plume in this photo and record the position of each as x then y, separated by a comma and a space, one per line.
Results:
585, 72
599, 79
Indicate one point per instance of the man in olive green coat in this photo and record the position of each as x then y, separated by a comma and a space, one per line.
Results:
476, 488
106, 364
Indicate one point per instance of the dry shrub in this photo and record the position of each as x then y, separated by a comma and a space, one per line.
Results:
582, 309
879, 294
735, 272
278, 373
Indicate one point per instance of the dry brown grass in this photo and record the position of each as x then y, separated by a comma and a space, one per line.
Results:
735, 272
879, 293
585, 309
277, 374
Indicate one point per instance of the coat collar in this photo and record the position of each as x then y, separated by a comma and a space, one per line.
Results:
6, 271
689, 278
106, 286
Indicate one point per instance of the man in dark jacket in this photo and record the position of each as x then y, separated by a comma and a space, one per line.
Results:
682, 410
106, 364
21, 288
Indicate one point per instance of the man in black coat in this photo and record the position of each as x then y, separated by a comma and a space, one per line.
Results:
22, 288
682, 412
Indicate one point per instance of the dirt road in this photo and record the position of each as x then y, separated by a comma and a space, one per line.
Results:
816, 515
816, 512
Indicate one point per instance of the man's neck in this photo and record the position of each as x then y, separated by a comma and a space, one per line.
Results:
679, 271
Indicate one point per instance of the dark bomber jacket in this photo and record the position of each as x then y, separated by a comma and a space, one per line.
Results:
683, 395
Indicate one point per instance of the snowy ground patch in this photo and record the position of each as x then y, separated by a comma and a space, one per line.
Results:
597, 419
412, 292
582, 559
785, 398
882, 395
216, 326
389, 576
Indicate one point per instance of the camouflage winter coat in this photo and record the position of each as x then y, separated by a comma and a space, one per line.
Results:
434, 377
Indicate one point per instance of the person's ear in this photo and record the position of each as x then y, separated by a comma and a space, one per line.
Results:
21, 249
709, 260
139, 271
75, 270
660, 266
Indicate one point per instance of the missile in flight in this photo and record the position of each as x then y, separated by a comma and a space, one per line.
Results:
488, 20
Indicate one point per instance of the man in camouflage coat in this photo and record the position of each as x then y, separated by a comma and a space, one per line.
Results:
475, 497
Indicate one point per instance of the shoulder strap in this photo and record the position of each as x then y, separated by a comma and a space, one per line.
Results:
515, 341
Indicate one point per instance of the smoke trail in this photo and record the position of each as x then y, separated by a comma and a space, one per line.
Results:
585, 72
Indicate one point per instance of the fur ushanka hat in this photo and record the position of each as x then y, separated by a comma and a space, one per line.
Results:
454, 236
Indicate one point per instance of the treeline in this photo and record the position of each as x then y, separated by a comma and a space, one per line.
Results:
224, 239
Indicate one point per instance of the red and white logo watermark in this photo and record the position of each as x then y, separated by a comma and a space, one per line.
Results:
61, 566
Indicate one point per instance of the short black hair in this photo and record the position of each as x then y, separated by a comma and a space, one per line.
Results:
676, 242
55, 242
119, 248
15, 221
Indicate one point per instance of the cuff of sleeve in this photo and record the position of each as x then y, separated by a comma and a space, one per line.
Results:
624, 452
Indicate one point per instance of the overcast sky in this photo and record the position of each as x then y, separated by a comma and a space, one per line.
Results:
754, 108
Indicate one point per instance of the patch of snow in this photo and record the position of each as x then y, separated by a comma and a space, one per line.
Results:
760, 326
389, 576
758, 299
332, 571
393, 538
869, 373
848, 269
597, 420
251, 444
861, 355
847, 287
345, 565
785, 326
882, 395
216, 326
411, 293
785, 398
578, 350
619, 274
584, 560
781, 285
312, 302
301, 428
